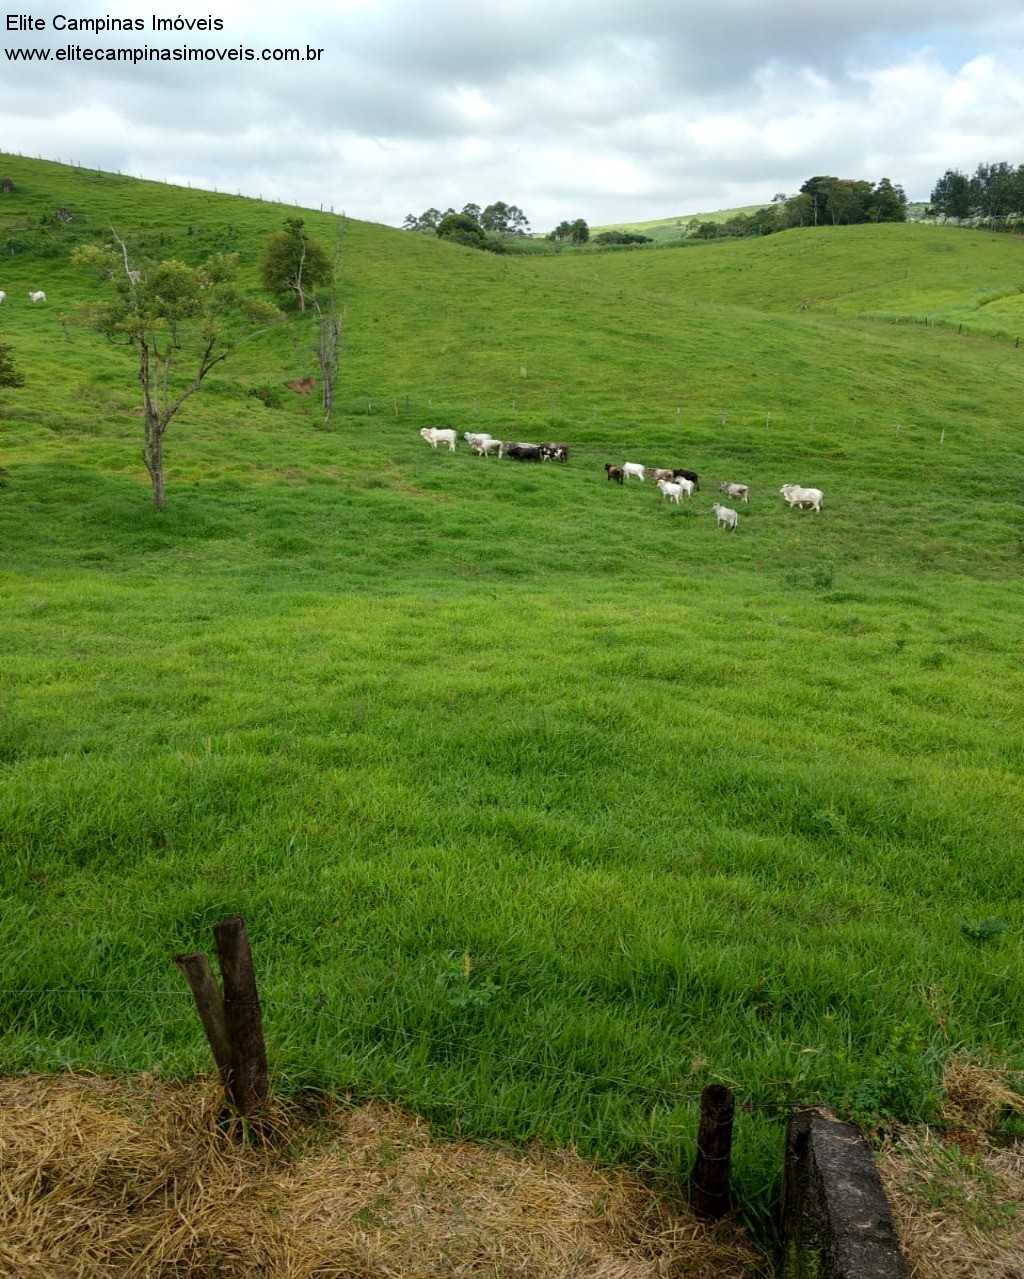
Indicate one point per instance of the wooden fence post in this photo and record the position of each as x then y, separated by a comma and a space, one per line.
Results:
709, 1180
232, 1019
195, 968
250, 1082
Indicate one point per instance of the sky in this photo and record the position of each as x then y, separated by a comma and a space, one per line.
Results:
611, 112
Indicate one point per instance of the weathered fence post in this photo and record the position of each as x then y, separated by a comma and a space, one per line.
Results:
195, 968
249, 1078
231, 1019
709, 1179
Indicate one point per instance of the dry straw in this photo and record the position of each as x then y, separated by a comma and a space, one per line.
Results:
103, 1178
957, 1195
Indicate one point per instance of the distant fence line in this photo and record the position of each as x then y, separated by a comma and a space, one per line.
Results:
397, 406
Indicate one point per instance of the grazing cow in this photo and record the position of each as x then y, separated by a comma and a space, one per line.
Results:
797, 496
614, 472
524, 452
554, 452
40, 296
661, 473
679, 474
475, 437
742, 491
726, 516
634, 468
3, 296
671, 492
434, 437
484, 447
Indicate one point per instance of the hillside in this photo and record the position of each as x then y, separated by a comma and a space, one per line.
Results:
546, 802
666, 230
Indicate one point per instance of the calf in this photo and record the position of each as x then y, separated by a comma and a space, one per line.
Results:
742, 491
634, 468
671, 492
40, 296
614, 472
554, 452
475, 437
726, 516
3, 296
687, 475
484, 447
661, 473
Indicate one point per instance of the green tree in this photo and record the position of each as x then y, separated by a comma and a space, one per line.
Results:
887, 203
293, 262
798, 210
579, 232
427, 220
179, 321
818, 191
463, 228
995, 185
954, 196
504, 219
706, 230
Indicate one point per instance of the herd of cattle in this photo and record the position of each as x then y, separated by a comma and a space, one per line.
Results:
674, 484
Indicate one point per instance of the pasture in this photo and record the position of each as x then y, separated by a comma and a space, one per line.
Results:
547, 801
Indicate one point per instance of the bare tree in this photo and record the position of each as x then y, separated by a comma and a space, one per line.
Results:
330, 322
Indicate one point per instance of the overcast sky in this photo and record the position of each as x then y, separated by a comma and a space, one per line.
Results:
568, 108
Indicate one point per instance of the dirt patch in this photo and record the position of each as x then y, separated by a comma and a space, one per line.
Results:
103, 1178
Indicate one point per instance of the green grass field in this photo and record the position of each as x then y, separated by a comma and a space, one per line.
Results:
546, 803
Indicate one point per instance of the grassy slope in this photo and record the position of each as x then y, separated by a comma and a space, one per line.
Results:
694, 806
665, 230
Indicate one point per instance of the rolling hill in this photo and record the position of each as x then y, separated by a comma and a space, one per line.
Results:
546, 802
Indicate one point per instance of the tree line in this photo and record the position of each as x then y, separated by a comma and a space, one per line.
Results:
995, 194
477, 228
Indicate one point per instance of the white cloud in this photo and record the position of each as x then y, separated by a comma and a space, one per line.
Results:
566, 108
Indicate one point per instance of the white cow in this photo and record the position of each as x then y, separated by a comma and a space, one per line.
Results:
37, 297
742, 491
797, 496
633, 468
3, 296
486, 446
726, 516
434, 437
475, 437
671, 492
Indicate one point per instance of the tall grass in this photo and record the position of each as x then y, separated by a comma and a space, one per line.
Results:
546, 804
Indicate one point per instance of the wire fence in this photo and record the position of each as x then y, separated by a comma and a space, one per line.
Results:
519, 1069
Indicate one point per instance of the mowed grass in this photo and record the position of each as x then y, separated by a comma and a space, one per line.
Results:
546, 803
